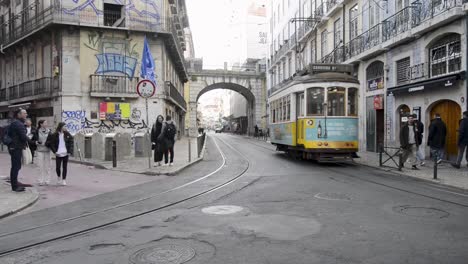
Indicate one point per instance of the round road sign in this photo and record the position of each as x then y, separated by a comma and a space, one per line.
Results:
146, 88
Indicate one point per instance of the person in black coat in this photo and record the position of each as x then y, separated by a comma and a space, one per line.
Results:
410, 139
61, 144
19, 140
436, 139
157, 142
420, 128
462, 140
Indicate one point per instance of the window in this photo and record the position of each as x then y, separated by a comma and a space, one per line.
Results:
400, 4
402, 70
353, 22
288, 108
280, 117
313, 48
337, 33
375, 76
374, 14
445, 55
324, 36
286, 74
300, 104
315, 100
336, 101
113, 15
352, 101
289, 66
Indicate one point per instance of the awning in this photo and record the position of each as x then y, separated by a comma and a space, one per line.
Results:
443, 82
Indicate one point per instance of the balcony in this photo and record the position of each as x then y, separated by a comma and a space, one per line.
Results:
418, 18
30, 90
336, 56
113, 86
174, 95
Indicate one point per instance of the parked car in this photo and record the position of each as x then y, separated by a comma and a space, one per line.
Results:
218, 130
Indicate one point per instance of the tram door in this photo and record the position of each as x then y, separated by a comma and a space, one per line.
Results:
300, 112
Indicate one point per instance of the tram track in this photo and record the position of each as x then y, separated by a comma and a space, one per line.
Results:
353, 175
120, 206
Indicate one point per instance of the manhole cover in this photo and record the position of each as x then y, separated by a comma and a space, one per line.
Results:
163, 254
332, 196
222, 209
417, 211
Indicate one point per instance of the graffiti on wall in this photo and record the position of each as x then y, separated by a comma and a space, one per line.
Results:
74, 120
110, 126
145, 12
116, 63
136, 114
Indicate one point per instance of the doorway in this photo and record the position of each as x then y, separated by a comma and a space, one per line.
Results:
450, 113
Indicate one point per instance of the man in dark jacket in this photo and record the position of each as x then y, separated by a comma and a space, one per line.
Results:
19, 140
462, 140
410, 139
420, 153
436, 139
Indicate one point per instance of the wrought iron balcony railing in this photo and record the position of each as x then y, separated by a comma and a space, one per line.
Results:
336, 56
117, 86
425, 10
175, 95
399, 23
365, 41
39, 87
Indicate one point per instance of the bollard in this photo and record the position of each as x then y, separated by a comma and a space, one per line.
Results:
400, 161
435, 167
380, 155
189, 151
114, 154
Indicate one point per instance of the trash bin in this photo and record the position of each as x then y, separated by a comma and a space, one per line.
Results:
88, 146
140, 149
108, 146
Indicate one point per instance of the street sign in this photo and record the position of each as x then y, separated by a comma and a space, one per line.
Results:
146, 88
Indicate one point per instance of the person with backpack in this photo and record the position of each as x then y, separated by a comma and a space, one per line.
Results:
43, 152
158, 145
16, 139
168, 136
61, 144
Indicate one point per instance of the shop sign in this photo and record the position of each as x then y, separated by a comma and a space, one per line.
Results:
415, 89
378, 102
375, 84
448, 83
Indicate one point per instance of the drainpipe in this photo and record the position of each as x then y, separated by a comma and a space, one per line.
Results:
344, 32
466, 60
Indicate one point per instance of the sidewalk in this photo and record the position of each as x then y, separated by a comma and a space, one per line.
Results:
446, 174
11, 202
140, 165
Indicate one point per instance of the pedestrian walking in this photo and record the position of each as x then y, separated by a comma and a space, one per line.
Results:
436, 139
169, 136
409, 141
256, 131
462, 140
157, 142
16, 139
30, 131
61, 144
420, 156
43, 152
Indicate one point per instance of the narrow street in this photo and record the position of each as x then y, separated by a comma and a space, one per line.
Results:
247, 203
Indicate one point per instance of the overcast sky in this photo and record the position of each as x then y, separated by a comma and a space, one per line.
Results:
213, 25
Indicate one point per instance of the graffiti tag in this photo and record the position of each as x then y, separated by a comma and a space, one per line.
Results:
112, 62
107, 126
74, 120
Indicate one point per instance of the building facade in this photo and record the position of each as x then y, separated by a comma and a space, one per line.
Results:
79, 61
409, 56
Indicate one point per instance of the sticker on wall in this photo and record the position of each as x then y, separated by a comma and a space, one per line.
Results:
114, 111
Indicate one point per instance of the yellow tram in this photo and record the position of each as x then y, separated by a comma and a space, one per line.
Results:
315, 116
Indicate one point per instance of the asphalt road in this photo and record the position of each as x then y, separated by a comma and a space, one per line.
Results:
261, 207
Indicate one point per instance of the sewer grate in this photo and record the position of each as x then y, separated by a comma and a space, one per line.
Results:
163, 254
333, 196
419, 211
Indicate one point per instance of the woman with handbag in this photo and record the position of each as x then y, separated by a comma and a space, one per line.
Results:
61, 144
157, 144
43, 152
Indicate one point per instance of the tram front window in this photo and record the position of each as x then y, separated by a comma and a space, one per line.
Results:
352, 101
336, 101
315, 99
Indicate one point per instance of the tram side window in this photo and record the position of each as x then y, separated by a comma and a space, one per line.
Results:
352, 101
315, 99
288, 108
280, 110
336, 101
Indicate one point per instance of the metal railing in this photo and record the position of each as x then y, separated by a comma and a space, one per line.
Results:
43, 86
398, 23
365, 41
425, 10
113, 85
336, 56
392, 155
175, 95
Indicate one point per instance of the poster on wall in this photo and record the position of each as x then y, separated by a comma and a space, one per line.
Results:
378, 102
114, 111
375, 84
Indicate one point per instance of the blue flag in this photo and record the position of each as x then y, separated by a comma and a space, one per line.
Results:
147, 64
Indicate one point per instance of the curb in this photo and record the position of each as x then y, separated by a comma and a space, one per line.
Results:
412, 177
149, 173
30, 203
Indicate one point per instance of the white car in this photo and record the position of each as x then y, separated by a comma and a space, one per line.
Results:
218, 130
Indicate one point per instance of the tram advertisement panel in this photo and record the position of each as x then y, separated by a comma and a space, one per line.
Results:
332, 129
283, 133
